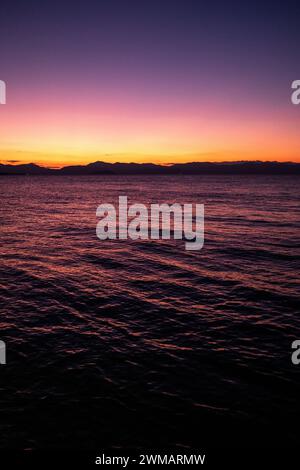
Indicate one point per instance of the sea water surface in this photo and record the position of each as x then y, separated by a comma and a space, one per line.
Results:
139, 344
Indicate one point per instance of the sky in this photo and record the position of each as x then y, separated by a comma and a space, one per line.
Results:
149, 81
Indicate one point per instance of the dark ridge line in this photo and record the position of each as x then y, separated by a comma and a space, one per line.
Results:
103, 168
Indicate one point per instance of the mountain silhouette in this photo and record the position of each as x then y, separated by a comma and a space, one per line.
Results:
103, 168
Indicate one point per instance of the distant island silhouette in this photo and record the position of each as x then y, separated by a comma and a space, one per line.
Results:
103, 168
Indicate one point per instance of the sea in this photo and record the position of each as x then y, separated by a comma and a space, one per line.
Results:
140, 343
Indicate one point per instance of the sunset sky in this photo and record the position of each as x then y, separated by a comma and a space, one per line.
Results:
167, 81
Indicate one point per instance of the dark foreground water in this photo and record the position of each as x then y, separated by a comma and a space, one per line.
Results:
143, 344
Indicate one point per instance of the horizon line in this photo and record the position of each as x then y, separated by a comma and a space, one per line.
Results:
14, 164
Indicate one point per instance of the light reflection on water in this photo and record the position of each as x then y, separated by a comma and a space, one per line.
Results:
132, 342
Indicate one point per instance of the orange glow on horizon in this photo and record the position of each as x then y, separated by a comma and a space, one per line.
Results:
59, 161
58, 131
